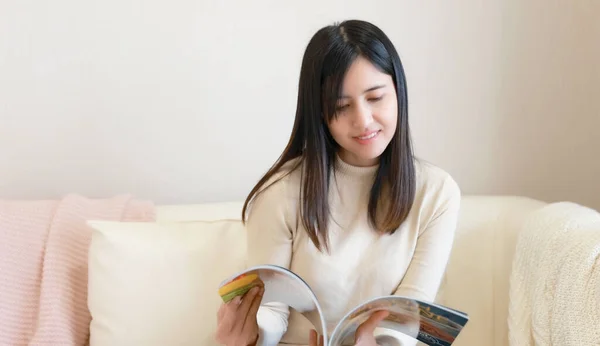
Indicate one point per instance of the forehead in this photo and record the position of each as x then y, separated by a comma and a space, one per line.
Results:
361, 76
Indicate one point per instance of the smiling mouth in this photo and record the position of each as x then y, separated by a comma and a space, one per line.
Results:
367, 136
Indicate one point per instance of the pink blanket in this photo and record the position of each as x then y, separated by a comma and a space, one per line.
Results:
43, 265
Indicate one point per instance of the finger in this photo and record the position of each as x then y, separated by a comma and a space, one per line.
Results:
313, 338
234, 303
253, 310
227, 312
237, 300
256, 302
221, 312
367, 327
247, 301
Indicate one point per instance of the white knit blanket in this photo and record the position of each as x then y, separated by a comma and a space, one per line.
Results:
555, 282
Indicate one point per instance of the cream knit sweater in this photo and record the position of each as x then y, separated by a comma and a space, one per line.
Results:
362, 264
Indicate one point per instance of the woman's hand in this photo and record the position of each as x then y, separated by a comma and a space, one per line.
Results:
312, 340
236, 320
364, 333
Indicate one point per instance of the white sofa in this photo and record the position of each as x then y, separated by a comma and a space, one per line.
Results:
477, 279
478, 272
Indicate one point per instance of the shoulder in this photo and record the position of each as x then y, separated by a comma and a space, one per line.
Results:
432, 179
436, 189
285, 182
278, 194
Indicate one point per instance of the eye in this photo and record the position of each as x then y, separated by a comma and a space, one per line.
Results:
375, 99
340, 108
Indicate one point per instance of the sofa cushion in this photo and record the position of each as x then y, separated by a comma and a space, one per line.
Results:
156, 283
200, 212
487, 231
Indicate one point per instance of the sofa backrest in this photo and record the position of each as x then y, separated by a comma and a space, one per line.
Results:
476, 280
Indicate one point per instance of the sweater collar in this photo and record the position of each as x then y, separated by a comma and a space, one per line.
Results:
354, 171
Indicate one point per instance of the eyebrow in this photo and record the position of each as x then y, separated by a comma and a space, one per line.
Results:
366, 91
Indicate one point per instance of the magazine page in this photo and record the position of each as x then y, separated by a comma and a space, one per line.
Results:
440, 325
284, 286
408, 318
402, 322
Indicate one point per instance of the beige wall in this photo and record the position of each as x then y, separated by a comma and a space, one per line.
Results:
504, 95
555, 101
515, 95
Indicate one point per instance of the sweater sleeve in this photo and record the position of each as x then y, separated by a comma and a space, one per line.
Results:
434, 245
269, 241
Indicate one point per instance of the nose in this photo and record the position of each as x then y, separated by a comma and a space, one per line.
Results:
363, 117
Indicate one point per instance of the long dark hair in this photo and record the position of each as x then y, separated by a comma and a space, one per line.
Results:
328, 56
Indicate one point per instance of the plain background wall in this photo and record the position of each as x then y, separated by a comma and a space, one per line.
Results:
191, 101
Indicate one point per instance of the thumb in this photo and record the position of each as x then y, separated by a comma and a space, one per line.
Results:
315, 339
366, 329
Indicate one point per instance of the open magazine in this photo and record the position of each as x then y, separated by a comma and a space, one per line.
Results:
427, 322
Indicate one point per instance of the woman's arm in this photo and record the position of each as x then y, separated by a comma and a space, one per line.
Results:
269, 241
434, 245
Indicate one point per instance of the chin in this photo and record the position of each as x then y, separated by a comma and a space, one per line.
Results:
373, 154
363, 155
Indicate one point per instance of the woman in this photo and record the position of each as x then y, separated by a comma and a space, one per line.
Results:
347, 206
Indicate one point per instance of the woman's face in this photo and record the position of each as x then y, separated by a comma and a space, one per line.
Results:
367, 114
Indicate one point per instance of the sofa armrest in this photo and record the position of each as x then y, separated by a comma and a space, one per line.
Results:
555, 279
477, 277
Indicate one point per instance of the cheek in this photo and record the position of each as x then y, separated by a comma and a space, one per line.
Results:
337, 128
389, 118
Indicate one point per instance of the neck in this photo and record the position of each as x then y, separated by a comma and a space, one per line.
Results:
354, 171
